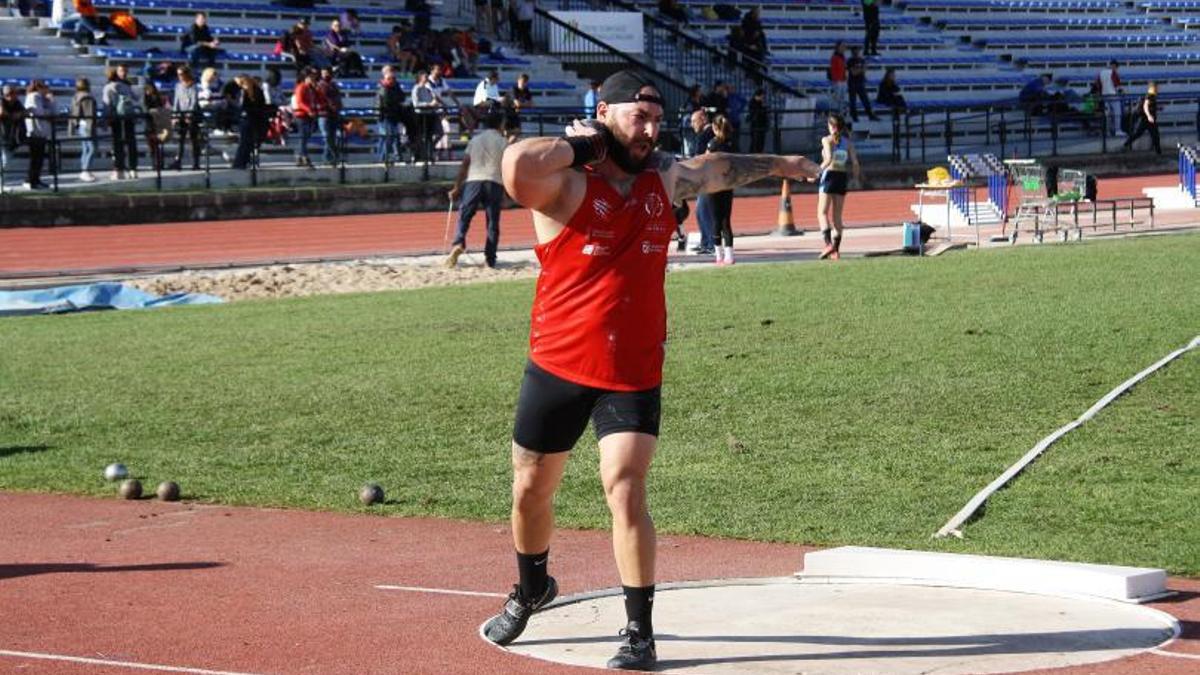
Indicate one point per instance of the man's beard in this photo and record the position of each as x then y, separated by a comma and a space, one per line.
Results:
618, 152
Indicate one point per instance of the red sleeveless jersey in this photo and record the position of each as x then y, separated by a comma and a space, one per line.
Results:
600, 312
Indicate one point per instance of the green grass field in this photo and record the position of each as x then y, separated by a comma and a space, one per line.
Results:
854, 403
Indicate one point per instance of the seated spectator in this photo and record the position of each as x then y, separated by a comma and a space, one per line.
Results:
338, 50
1035, 95
211, 102
671, 9
488, 89
90, 27
470, 48
522, 97
511, 116
754, 38
162, 74
350, 21
422, 14
299, 46
402, 50
199, 44
889, 92
272, 89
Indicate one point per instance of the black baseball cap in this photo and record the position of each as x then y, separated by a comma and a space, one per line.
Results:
624, 86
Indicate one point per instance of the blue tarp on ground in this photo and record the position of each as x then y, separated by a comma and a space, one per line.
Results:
87, 297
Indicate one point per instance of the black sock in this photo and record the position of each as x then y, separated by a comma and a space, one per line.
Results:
532, 568
837, 242
827, 234
639, 605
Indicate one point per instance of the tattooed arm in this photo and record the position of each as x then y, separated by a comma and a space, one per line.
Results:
714, 172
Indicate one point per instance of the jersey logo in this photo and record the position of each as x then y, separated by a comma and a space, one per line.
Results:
650, 247
654, 205
602, 208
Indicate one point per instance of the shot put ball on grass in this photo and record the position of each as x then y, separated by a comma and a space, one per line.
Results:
168, 491
370, 494
116, 471
131, 489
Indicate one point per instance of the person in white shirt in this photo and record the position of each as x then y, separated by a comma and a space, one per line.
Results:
483, 186
488, 89
425, 103
1110, 89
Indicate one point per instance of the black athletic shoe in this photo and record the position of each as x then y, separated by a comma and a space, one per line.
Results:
510, 623
637, 652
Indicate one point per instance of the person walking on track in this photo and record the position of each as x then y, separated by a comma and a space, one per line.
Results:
601, 201
480, 169
837, 151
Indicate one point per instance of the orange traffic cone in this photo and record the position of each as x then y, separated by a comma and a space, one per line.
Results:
787, 227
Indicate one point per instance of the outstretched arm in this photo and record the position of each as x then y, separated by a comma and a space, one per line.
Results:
714, 172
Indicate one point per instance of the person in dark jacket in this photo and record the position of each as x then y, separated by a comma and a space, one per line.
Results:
759, 118
252, 127
389, 103
889, 92
200, 45
1147, 120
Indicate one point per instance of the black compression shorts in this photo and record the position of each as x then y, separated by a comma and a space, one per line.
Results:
552, 412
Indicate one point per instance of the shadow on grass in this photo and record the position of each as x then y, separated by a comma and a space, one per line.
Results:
13, 571
8, 450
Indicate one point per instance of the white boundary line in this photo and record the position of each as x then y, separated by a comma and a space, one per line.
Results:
954, 525
109, 662
444, 591
1160, 652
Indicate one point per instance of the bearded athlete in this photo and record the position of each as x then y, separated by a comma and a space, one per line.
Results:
601, 201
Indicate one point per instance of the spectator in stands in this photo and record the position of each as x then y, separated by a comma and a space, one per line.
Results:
526, 10
338, 50
422, 15
446, 98
157, 126
723, 140
90, 26
717, 101
1035, 95
671, 9
39, 109
199, 44
1111, 89
759, 118
687, 136
488, 89
187, 117
1147, 119
469, 45
522, 96
589, 99
837, 155
271, 87
252, 127
702, 127
389, 103
753, 36
871, 27
401, 50
330, 94
299, 45
212, 102
510, 125
12, 122
838, 75
1092, 108
350, 21
856, 67
481, 185
305, 108
82, 125
425, 105
121, 107
889, 92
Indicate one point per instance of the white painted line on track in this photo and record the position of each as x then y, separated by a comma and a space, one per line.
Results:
109, 662
1175, 655
445, 591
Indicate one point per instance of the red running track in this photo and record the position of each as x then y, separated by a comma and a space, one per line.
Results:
47, 251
